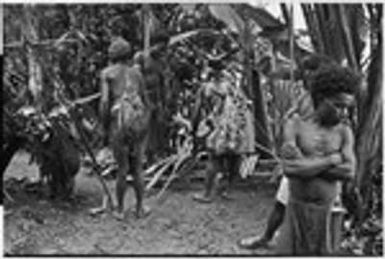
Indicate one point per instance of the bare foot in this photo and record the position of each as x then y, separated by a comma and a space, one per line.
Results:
95, 211
202, 198
143, 212
253, 242
118, 215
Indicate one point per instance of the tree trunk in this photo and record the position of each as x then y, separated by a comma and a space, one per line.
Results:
315, 34
369, 132
262, 129
347, 37
370, 128
321, 21
253, 91
34, 69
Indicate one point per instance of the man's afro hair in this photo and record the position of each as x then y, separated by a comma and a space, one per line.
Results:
314, 62
334, 79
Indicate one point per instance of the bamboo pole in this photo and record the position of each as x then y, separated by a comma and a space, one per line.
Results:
347, 37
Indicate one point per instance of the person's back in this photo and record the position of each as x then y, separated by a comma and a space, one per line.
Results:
125, 115
123, 80
128, 105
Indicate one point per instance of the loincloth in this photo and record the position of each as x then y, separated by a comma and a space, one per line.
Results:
305, 230
130, 115
129, 128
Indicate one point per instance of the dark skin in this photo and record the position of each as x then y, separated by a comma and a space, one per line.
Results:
304, 109
322, 149
323, 153
290, 152
154, 67
128, 144
227, 162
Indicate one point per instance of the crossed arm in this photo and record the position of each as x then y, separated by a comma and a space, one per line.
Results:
336, 166
344, 170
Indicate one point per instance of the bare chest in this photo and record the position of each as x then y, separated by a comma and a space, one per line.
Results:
315, 141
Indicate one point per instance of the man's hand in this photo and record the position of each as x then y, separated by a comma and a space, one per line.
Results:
336, 158
290, 151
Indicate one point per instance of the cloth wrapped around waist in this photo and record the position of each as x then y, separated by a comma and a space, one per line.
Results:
305, 230
129, 114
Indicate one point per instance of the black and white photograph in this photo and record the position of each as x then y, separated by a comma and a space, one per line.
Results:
192, 129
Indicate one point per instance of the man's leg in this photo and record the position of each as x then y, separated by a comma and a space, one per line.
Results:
138, 183
121, 154
274, 222
136, 160
232, 168
212, 172
121, 188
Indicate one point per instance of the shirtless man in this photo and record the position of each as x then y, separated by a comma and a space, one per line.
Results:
125, 116
155, 68
303, 108
319, 152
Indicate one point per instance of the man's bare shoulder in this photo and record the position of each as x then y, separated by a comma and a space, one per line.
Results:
345, 131
108, 71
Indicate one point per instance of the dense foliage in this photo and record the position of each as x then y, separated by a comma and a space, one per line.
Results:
54, 54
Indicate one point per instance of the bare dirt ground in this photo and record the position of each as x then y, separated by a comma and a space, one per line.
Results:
33, 224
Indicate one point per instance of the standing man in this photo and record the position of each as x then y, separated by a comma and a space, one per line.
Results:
303, 108
155, 69
125, 116
319, 152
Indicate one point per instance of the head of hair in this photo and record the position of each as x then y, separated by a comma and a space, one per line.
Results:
314, 62
331, 80
119, 50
